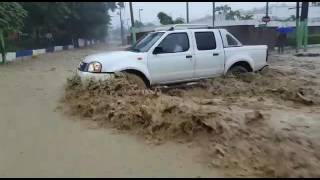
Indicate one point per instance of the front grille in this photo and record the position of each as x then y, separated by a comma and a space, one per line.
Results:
83, 66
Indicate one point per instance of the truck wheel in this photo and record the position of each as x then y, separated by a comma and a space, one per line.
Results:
236, 70
135, 79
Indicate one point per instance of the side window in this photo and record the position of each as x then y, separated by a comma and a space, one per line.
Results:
231, 41
205, 40
175, 42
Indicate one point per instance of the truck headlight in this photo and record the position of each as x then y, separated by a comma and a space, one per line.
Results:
94, 67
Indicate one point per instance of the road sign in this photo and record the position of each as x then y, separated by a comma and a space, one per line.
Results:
266, 19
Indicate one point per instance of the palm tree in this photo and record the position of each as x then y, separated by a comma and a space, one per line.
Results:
247, 17
223, 9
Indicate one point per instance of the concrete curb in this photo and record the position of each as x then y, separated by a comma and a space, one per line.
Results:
20, 55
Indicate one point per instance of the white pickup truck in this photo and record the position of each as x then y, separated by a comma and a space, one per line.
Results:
181, 53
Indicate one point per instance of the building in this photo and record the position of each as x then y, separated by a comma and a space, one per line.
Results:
284, 12
250, 32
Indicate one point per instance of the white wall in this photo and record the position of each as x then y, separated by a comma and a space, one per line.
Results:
58, 48
10, 56
39, 51
284, 12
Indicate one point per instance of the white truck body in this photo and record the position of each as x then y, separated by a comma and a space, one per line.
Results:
188, 64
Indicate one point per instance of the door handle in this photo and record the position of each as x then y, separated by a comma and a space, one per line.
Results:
215, 54
188, 56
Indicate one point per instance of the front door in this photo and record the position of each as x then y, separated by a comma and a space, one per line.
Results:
175, 62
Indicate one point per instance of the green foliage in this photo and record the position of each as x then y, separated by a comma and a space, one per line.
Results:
67, 21
166, 19
232, 15
11, 20
247, 17
179, 21
11, 16
223, 9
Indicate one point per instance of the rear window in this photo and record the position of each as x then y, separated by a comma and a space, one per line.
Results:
231, 41
205, 40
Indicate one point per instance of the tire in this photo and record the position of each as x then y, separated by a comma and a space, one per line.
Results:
237, 70
135, 79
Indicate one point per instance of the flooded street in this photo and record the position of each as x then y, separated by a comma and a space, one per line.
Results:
223, 127
37, 140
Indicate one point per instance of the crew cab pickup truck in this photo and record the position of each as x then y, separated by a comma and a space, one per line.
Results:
180, 53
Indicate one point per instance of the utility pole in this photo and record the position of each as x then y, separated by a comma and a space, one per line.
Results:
213, 13
140, 15
121, 27
127, 22
267, 10
133, 33
304, 22
187, 6
297, 26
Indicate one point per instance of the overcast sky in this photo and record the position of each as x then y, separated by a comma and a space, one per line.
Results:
177, 9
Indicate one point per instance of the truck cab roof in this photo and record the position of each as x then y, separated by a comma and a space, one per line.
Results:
173, 27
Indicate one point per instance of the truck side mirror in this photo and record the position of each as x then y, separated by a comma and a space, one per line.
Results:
158, 50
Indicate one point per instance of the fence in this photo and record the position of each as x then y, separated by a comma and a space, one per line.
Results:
11, 56
250, 34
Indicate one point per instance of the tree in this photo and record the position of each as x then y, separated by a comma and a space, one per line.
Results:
66, 22
223, 9
247, 17
90, 20
230, 14
164, 18
120, 6
11, 20
138, 24
69, 21
179, 20
46, 17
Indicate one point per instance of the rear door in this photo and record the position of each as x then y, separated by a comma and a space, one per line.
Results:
209, 53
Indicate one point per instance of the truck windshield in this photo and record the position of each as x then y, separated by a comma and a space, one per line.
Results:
147, 42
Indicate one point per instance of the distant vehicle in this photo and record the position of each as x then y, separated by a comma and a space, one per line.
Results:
180, 53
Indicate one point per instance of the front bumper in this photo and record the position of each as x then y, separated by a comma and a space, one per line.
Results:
94, 76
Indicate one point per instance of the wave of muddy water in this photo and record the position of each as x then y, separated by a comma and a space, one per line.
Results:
258, 125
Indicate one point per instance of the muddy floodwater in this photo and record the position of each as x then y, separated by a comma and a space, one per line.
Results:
256, 125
